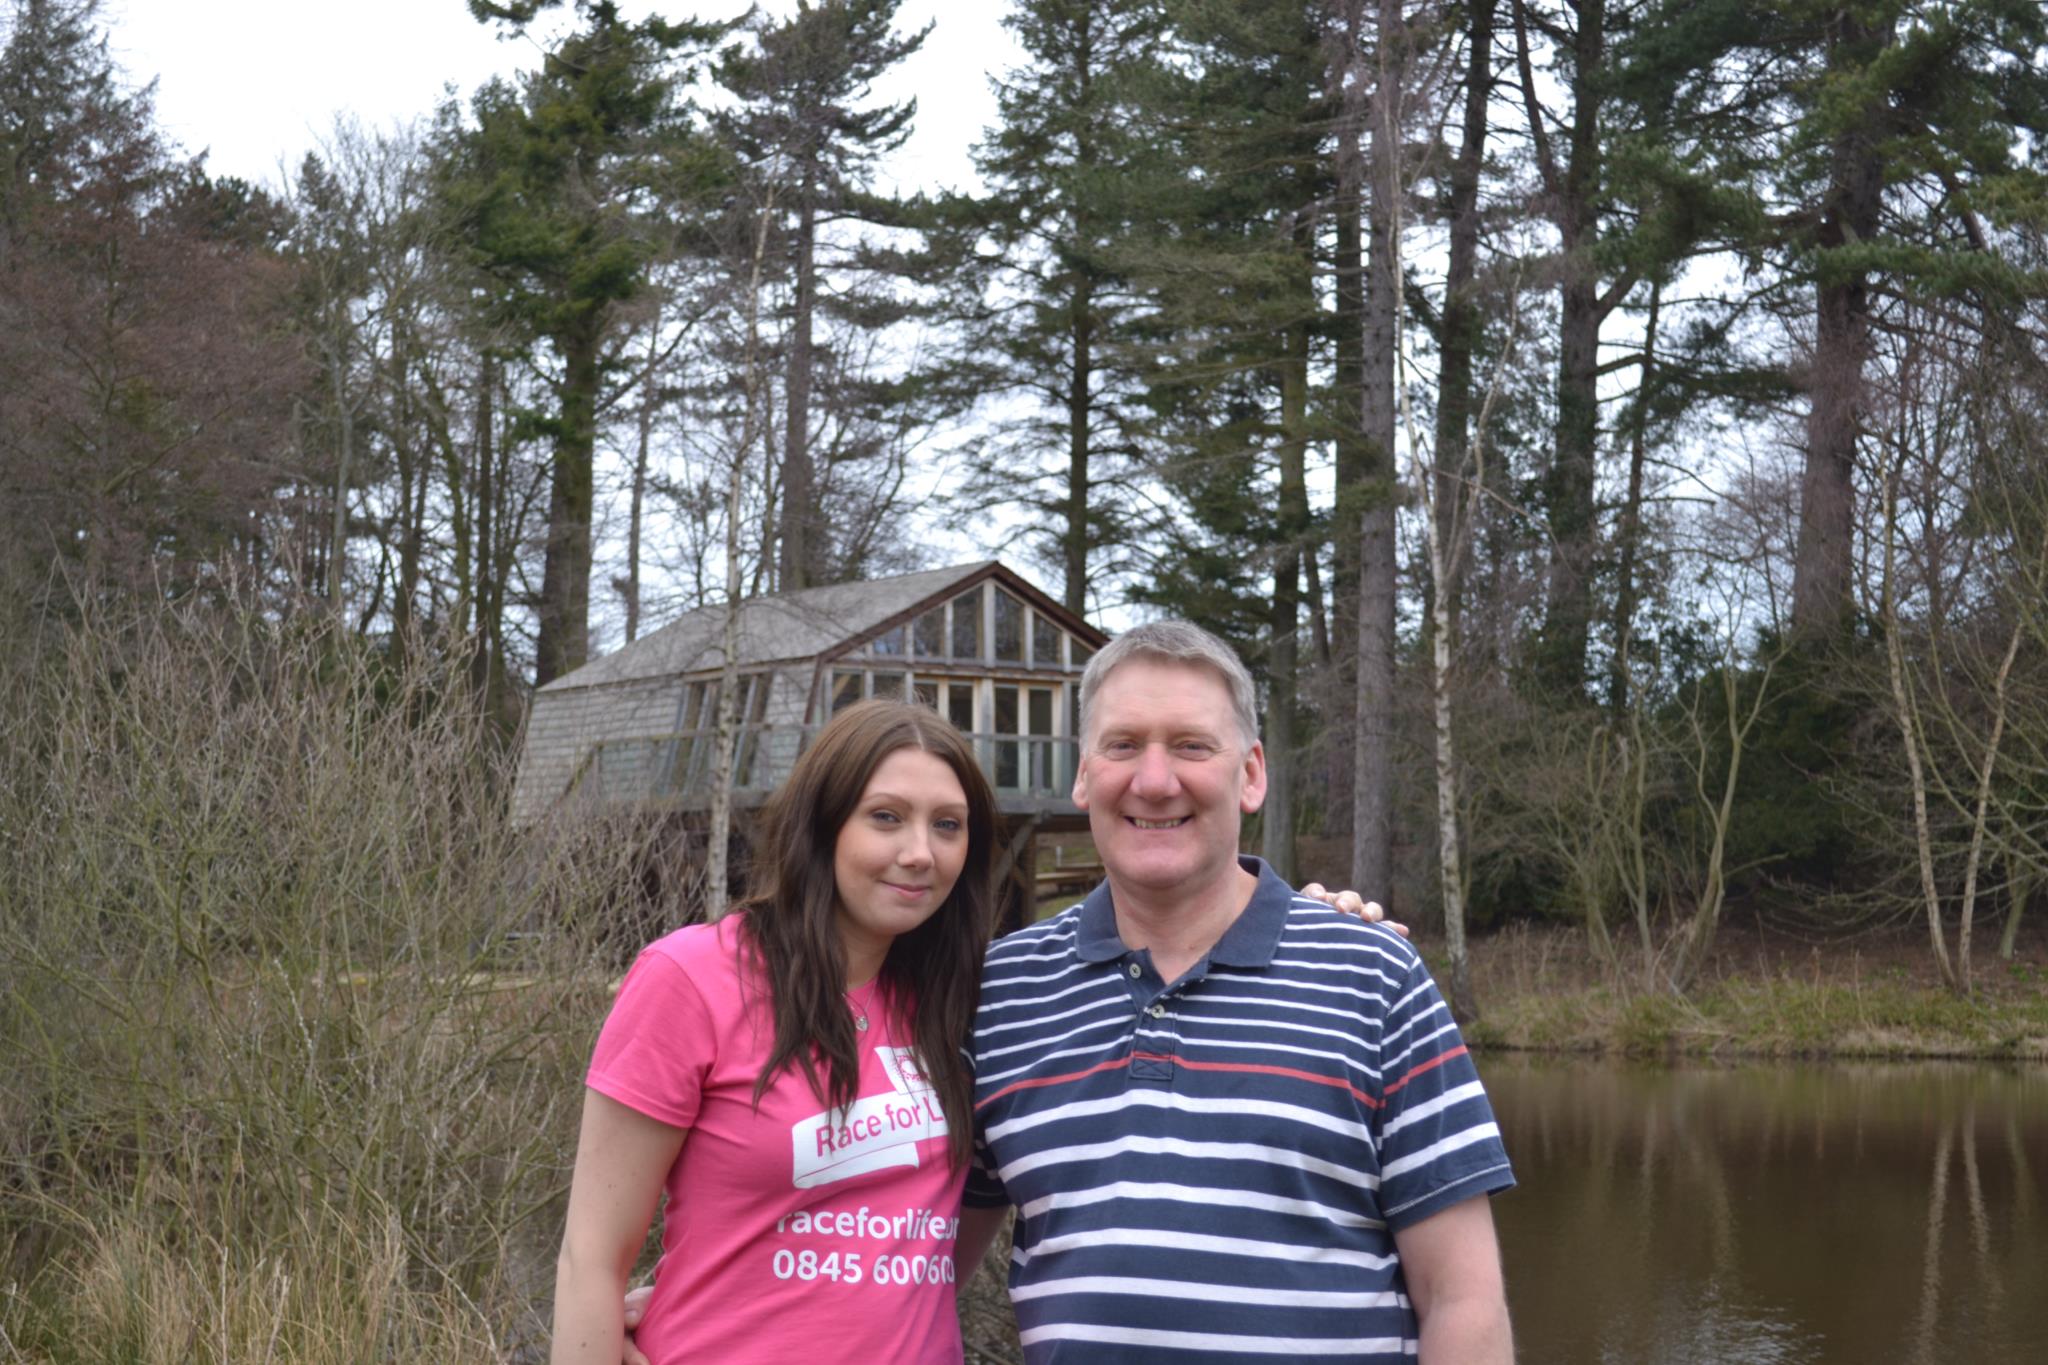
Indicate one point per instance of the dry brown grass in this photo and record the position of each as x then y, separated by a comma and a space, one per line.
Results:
264, 1092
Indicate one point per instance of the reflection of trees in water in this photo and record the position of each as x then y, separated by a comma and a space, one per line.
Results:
1770, 1213
1930, 1259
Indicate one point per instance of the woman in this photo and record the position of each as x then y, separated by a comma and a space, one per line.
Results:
791, 1077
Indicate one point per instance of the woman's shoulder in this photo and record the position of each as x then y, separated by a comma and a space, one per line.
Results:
698, 947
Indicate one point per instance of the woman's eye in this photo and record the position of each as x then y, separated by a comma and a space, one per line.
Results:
948, 825
887, 817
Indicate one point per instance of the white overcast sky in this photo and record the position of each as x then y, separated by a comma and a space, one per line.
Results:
256, 83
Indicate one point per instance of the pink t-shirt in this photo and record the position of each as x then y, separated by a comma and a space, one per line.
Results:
790, 1234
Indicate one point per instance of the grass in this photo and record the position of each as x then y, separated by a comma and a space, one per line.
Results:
1540, 991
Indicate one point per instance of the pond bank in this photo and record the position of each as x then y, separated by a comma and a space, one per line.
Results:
1540, 990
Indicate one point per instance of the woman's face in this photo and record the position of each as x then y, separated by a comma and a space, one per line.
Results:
897, 855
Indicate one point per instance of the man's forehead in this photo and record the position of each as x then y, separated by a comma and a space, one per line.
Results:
1131, 693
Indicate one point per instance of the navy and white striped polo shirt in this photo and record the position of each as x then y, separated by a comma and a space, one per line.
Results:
1213, 1170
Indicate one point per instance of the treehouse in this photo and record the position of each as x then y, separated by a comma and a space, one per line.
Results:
978, 644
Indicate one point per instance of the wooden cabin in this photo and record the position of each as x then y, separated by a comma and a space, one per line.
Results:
977, 643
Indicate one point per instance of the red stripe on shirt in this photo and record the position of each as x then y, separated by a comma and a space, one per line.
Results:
1428, 1066
1042, 1081
1262, 1070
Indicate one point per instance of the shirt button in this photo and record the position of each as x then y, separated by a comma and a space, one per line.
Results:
1157, 1011
1136, 971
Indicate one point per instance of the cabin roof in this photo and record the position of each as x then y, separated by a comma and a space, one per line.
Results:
794, 626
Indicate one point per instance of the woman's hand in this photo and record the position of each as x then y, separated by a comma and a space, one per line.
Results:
1351, 903
636, 1308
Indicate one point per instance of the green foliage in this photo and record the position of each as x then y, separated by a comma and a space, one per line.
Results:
1792, 820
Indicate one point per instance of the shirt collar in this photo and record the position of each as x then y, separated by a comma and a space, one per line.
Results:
1249, 941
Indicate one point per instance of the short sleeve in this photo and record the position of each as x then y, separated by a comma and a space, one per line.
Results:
1439, 1144
656, 1046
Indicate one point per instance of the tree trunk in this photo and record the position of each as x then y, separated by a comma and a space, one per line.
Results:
1568, 486
412, 486
484, 652
799, 478
337, 549
1461, 317
716, 876
1981, 812
1283, 659
1629, 532
1372, 785
1353, 464
563, 643
1074, 543
638, 503
2019, 884
1821, 568
1909, 735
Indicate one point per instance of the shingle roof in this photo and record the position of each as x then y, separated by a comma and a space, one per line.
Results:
793, 625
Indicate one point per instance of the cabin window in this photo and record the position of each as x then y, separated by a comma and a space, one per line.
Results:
925, 693
1007, 750
750, 736
845, 690
960, 707
1039, 752
890, 642
1045, 641
930, 633
1009, 628
888, 685
1082, 654
967, 625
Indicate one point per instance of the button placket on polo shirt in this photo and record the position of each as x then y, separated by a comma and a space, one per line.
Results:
1155, 1038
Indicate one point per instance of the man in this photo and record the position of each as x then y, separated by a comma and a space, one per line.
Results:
1234, 1122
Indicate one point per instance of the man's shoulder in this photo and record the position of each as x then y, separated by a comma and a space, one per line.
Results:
1054, 936
1314, 924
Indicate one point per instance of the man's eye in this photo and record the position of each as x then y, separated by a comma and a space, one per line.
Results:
1194, 748
1119, 748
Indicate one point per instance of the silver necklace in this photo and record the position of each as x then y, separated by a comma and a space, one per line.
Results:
860, 1013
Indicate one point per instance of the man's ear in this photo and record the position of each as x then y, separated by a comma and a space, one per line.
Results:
1254, 793
1080, 793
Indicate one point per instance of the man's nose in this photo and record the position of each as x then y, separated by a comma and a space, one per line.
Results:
1154, 776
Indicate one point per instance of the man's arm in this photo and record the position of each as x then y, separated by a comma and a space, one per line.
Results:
978, 1229
1451, 1261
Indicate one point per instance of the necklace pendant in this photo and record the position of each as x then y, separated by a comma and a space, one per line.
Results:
860, 1022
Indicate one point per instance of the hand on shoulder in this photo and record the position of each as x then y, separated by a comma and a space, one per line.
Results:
1351, 903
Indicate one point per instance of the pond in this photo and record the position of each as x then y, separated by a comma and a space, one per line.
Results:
1757, 1214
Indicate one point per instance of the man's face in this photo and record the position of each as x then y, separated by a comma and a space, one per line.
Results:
1164, 776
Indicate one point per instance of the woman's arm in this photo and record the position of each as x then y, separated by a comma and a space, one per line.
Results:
622, 1159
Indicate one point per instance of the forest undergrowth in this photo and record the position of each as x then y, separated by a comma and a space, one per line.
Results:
1764, 994
294, 1022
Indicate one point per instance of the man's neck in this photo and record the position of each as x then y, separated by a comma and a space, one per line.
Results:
1179, 926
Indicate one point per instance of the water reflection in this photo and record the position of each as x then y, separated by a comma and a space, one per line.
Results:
1761, 1214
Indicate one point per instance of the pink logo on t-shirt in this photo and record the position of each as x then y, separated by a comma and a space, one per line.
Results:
872, 1133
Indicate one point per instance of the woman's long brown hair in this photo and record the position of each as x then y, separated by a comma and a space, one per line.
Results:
931, 978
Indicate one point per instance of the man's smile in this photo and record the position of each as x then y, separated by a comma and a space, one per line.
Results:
1175, 823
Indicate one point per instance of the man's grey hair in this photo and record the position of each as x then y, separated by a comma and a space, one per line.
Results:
1176, 642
